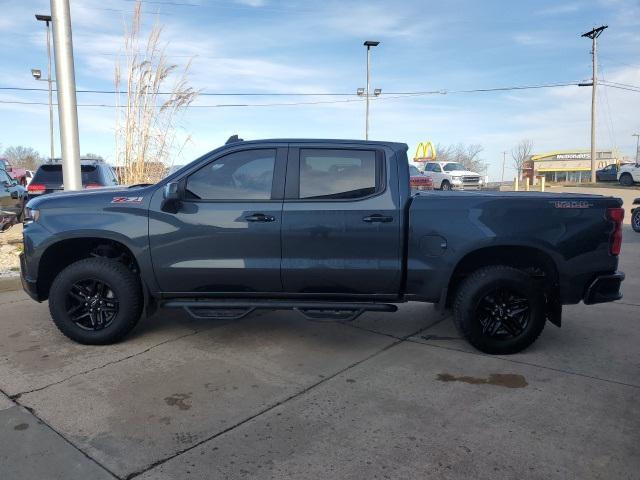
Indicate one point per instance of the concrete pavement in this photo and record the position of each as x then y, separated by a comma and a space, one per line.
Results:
277, 396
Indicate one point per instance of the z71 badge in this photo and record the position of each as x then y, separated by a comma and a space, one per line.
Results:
127, 200
571, 204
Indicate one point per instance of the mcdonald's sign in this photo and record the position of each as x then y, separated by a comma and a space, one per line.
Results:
425, 152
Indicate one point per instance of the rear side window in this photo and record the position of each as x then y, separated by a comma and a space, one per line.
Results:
338, 174
53, 174
246, 175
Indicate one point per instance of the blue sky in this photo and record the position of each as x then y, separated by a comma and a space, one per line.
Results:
267, 46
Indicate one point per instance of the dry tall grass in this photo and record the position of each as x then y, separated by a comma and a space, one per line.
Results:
147, 124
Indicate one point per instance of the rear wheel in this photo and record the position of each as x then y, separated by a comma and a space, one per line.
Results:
635, 220
626, 179
445, 185
95, 301
499, 310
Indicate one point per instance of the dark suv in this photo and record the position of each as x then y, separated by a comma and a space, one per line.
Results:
48, 177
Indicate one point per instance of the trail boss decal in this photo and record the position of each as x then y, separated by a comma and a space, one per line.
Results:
571, 204
127, 200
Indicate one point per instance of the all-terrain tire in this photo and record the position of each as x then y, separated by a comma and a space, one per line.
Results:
125, 286
477, 287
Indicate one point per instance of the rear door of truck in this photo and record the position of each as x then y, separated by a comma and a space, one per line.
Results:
340, 221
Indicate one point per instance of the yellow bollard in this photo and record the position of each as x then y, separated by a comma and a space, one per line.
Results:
542, 184
526, 184
515, 184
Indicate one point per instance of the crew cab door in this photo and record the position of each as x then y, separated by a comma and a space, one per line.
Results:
340, 222
224, 233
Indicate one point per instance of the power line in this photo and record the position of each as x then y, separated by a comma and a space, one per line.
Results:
319, 94
387, 96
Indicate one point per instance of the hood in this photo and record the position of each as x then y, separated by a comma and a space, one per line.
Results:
77, 198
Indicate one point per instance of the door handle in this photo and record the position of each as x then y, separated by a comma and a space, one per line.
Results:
377, 218
260, 217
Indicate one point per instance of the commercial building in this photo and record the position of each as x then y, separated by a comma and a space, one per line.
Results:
566, 166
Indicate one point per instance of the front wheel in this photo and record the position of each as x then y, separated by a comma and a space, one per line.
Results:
445, 185
635, 220
499, 310
626, 180
96, 301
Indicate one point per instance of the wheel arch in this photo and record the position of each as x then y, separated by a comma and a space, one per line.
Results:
64, 252
532, 259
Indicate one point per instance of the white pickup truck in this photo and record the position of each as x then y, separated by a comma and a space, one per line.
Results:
452, 176
629, 174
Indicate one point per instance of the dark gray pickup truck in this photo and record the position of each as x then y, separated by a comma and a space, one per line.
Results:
326, 227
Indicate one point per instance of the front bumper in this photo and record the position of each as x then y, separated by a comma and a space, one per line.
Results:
604, 288
28, 285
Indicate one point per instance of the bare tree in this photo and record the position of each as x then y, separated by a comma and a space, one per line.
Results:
520, 154
147, 123
23, 157
467, 155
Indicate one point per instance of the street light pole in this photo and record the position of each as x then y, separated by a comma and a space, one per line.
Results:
593, 35
368, 44
637, 135
504, 160
66, 83
47, 20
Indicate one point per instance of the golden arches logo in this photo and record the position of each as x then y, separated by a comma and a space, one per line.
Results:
425, 152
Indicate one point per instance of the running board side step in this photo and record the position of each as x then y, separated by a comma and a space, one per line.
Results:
237, 309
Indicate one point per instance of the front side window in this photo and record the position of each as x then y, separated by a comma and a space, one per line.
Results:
246, 175
337, 174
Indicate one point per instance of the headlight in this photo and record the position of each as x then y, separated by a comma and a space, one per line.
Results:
31, 215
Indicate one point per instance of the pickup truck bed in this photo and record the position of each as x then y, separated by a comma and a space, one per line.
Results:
327, 227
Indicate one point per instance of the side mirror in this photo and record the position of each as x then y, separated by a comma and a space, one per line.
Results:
171, 197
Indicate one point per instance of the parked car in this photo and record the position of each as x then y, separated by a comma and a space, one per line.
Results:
452, 176
329, 228
13, 198
418, 180
635, 216
608, 173
629, 174
18, 174
48, 177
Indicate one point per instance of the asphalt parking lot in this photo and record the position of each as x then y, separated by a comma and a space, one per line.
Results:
278, 396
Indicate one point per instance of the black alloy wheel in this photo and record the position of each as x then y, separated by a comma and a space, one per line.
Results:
635, 220
91, 304
503, 313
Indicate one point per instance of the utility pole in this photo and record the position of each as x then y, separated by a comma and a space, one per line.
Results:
637, 135
47, 20
504, 160
66, 83
368, 44
593, 35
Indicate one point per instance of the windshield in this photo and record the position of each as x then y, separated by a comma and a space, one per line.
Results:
449, 167
414, 170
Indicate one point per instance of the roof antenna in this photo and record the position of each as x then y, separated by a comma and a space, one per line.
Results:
234, 139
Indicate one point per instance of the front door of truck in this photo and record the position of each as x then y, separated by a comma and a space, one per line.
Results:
225, 234
340, 223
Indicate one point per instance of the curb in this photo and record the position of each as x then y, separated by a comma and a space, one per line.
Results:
10, 284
